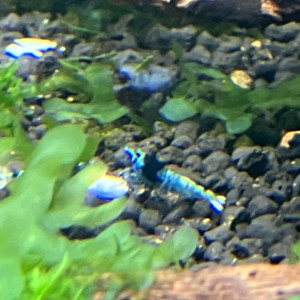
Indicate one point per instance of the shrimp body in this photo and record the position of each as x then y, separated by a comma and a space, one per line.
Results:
183, 185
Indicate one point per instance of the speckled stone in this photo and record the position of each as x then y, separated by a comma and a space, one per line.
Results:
208, 143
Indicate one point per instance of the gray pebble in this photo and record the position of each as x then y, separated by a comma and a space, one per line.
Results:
163, 130
202, 209
246, 247
217, 160
170, 155
229, 44
290, 211
178, 212
187, 128
282, 33
132, 209
205, 225
289, 64
208, 143
182, 142
10, 22
214, 252
278, 252
198, 54
192, 163
220, 234
232, 215
152, 143
261, 205
83, 49
228, 61
254, 160
265, 228
149, 219
296, 186
207, 40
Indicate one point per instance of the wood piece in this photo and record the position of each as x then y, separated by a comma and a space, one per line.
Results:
243, 282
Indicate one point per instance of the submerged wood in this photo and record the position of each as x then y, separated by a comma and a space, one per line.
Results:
242, 282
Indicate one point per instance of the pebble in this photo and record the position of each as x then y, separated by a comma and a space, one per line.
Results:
216, 161
178, 212
219, 234
149, 219
245, 248
261, 205
214, 252
278, 252
282, 33
182, 142
170, 155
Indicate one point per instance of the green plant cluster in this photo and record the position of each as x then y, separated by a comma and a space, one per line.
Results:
219, 97
92, 84
38, 263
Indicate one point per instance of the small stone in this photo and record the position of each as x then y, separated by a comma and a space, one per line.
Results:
208, 143
152, 143
216, 161
170, 155
220, 234
205, 225
261, 205
282, 33
246, 247
178, 212
149, 219
192, 163
182, 142
232, 215
208, 41
214, 252
198, 54
241, 79
187, 128
228, 61
229, 44
278, 252
202, 209
10, 22
265, 228
254, 160
291, 210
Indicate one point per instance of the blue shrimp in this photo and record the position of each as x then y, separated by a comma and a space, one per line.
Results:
186, 186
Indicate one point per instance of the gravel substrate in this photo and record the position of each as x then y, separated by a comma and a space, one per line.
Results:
259, 176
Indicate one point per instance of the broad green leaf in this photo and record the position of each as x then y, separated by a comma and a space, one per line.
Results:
178, 109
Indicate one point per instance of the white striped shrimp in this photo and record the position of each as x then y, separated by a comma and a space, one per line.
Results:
183, 185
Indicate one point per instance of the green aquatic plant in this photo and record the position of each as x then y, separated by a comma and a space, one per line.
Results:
38, 263
93, 85
220, 98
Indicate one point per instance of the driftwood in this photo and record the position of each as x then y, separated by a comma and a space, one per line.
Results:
243, 282
243, 12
